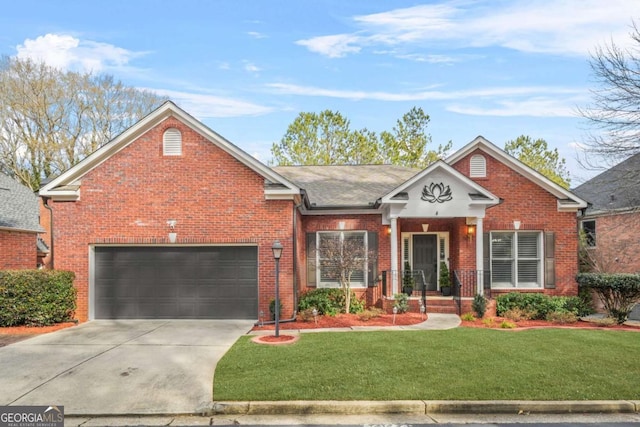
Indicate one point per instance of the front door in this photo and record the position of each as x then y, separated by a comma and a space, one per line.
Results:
425, 258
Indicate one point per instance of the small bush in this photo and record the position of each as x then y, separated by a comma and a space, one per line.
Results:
371, 313
402, 302
505, 324
605, 321
518, 314
329, 301
36, 297
306, 315
272, 309
468, 317
562, 317
479, 305
488, 322
539, 304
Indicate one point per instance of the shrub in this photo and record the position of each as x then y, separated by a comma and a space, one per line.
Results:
306, 315
539, 305
507, 325
518, 314
329, 301
479, 305
371, 313
488, 322
272, 309
36, 297
618, 292
402, 302
468, 317
562, 317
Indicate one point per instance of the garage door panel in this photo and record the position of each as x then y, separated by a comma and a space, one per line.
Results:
205, 282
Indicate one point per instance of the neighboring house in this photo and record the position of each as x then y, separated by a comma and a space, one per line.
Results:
170, 220
20, 247
611, 223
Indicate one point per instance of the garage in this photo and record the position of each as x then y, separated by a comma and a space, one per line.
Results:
175, 282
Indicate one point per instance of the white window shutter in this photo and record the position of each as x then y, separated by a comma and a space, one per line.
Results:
172, 142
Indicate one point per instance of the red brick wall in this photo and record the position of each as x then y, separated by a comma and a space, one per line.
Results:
536, 209
17, 250
617, 247
214, 198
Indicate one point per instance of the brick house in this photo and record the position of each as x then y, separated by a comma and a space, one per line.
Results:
20, 246
613, 216
171, 220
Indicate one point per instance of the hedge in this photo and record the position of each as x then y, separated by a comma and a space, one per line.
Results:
540, 305
618, 292
36, 297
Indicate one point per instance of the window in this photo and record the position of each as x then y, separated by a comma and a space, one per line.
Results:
589, 228
478, 166
341, 250
172, 142
516, 260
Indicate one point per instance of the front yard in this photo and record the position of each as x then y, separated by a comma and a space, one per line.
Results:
457, 364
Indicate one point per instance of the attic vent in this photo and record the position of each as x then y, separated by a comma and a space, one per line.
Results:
172, 142
478, 166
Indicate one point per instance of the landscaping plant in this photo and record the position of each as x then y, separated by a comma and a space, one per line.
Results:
618, 292
479, 305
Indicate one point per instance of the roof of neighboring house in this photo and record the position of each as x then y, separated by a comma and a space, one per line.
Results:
617, 188
19, 209
346, 185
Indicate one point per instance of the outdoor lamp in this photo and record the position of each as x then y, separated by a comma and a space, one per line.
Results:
276, 248
277, 253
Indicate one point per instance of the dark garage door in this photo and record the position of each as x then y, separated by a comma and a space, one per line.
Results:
199, 282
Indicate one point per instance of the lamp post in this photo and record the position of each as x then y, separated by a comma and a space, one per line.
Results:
276, 248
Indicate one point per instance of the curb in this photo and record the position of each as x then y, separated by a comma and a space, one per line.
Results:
425, 407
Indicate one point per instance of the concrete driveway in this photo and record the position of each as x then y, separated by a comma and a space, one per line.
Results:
119, 367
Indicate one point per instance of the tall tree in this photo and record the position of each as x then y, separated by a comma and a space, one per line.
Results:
615, 109
51, 119
326, 139
537, 155
407, 144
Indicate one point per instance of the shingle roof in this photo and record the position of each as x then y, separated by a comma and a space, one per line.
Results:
617, 188
18, 206
346, 185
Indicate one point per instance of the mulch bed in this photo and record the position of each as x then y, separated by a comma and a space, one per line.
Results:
536, 324
348, 320
34, 330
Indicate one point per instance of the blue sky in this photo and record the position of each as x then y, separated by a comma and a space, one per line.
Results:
247, 68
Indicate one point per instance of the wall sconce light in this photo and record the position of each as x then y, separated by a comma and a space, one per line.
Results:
389, 230
471, 230
172, 230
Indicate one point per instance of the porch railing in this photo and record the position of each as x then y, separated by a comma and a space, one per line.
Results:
467, 283
420, 287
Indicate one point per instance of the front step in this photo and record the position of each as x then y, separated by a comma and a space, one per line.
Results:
442, 305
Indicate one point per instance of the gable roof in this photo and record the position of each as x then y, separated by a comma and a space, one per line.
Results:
566, 199
617, 188
67, 185
19, 210
346, 185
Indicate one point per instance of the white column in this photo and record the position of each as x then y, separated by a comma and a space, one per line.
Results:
394, 255
479, 255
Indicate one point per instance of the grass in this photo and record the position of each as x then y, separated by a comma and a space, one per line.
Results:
458, 364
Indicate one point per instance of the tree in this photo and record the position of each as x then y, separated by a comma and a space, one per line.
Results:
326, 139
615, 109
51, 119
537, 155
342, 255
407, 144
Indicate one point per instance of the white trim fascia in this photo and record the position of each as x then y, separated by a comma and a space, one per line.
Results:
536, 177
166, 110
337, 211
388, 198
22, 230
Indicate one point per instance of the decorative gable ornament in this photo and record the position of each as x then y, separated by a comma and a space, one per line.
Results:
436, 193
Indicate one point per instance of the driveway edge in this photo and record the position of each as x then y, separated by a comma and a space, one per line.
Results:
425, 407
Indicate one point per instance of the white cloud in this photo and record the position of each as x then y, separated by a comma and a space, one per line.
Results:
529, 107
70, 53
256, 35
250, 67
203, 105
565, 27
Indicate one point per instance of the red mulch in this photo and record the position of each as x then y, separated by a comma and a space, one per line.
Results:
34, 330
531, 324
348, 320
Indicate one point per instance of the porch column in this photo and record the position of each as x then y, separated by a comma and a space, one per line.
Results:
394, 255
479, 256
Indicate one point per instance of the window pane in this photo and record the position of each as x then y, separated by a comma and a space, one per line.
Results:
502, 245
527, 245
334, 245
528, 272
502, 273
589, 228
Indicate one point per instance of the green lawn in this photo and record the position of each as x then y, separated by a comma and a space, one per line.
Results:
458, 364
